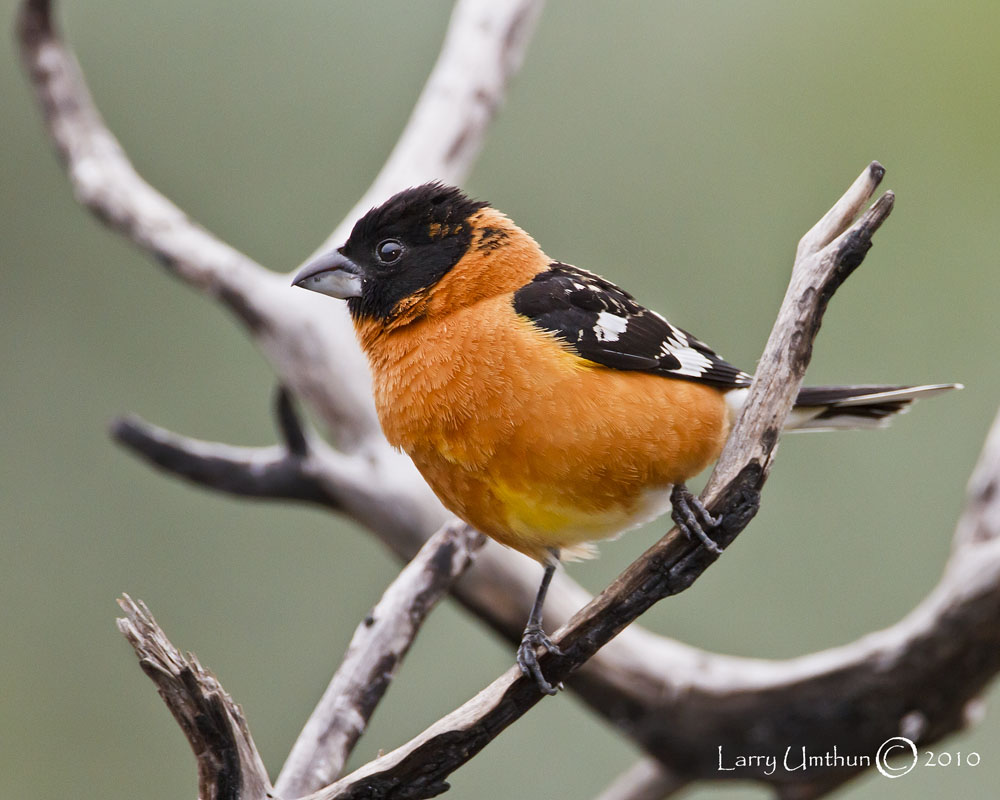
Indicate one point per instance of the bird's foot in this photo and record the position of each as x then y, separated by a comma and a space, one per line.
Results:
527, 658
691, 516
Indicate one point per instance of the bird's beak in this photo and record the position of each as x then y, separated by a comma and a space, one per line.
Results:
332, 273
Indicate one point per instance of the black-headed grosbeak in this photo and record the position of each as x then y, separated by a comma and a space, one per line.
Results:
542, 403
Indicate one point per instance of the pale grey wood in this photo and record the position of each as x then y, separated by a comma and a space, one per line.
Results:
663, 684
373, 656
646, 779
229, 766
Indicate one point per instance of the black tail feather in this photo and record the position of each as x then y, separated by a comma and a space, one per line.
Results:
859, 406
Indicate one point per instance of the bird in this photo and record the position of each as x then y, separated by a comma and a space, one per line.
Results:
543, 404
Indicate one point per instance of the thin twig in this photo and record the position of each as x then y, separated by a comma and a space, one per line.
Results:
276, 473
304, 468
375, 653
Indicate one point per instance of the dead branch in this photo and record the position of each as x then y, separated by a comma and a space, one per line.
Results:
229, 766
647, 779
375, 653
826, 256
678, 702
916, 678
274, 473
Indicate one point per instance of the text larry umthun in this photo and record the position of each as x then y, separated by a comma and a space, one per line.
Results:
794, 760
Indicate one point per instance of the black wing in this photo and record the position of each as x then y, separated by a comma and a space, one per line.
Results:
604, 324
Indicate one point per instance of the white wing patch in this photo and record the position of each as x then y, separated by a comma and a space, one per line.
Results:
692, 362
604, 324
609, 327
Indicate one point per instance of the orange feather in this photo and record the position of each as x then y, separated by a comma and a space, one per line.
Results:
529, 443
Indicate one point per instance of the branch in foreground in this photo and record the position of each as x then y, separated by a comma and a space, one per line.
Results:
917, 678
650, 686
420, 767
229, 766
375, 653
825, 258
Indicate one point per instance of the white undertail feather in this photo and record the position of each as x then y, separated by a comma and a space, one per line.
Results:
853, 417
578, 552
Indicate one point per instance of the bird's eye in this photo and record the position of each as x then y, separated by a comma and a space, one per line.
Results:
389, 251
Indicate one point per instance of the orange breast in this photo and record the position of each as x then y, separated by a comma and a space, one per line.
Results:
530, 444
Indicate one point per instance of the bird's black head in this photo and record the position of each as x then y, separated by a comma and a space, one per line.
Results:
404, 246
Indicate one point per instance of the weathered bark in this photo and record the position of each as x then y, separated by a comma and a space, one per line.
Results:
917, 677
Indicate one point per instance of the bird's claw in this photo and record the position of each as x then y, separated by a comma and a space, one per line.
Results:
691, 516
527, 657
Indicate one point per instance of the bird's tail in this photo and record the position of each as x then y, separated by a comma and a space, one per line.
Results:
835, 408
844, 408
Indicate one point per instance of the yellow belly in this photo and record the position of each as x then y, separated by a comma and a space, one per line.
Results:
551, 523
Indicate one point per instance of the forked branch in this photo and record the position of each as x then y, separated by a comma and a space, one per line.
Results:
377, 649
229, 766
274, 473
677, 702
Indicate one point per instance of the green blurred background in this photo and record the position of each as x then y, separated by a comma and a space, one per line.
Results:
680, 148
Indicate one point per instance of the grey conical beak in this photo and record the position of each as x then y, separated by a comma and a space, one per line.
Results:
332, 273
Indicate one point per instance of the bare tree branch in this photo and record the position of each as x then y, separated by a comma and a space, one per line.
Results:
304, 339
229, 766
260, 472
420, 767
917, 678
484, 47
377, 649
103, 178
277, 472
647, 779
826, 256
887, 683
678, 702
